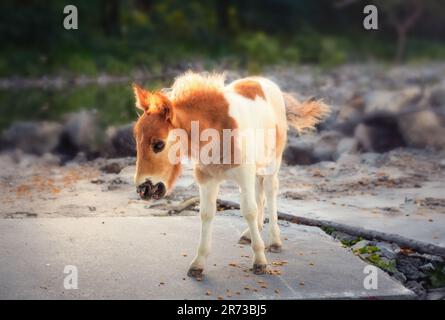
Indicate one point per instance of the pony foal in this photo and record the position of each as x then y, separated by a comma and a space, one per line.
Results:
164, 133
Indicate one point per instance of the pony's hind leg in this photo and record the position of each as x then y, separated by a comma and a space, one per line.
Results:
249, 210
259, 190
271, 190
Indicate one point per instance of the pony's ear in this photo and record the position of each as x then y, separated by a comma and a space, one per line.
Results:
162, 105
142, 97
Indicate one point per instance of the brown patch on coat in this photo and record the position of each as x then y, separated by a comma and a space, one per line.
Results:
249, 89
211, 109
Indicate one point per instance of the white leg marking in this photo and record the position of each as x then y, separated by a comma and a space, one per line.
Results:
271, 190
259, 188
207, 194
249, 210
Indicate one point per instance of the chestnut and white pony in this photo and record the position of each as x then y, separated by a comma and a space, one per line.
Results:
250, 103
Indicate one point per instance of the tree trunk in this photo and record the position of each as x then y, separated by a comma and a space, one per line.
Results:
401, 45
110, 17
223, 14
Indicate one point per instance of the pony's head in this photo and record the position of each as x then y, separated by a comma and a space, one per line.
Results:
155, 173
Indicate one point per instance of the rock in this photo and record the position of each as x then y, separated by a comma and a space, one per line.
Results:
326, 145
348, 160
346, 145
399, 276
360, 244
427, 267
416, 287
294, 155
342, 236
82, 132
299, 150
436, 294
115, 184
122, 141
51, 159
380, 133
387, 250
80, 157
370, 158
437, 96
391, 102
112, 167
409, 266
353, 109
32, 137
433, 258
422, 129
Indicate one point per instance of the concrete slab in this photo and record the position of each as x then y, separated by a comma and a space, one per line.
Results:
147, 258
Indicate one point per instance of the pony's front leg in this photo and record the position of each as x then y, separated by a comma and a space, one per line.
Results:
207, 194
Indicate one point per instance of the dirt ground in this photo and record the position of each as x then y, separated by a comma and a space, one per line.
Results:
400, 182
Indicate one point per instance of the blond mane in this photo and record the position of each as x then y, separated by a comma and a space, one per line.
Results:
190, 82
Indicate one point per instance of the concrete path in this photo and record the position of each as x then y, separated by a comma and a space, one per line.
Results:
147, 258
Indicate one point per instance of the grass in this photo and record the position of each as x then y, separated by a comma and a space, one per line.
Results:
367, 250
389, 266
437, 276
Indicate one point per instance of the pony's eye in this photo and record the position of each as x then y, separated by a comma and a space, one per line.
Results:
158, 146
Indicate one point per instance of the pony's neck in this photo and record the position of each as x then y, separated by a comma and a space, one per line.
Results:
202, 110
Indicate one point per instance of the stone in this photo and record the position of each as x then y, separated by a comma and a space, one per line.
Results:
326, 145
416, 287
398, 276
353, 109
122, 141
342, 236
370, 158
32, 136
112, 167
422, 129
391, 102
82, 132
427, 267
388, 250
437, 96
380, 133
360, 244
436, 294
409, 266
345, 145
300, 154
348, 160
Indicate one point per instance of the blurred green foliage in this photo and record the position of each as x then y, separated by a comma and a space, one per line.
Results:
119, 36
114, 103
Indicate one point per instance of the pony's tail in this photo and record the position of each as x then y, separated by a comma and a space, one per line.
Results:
303, 116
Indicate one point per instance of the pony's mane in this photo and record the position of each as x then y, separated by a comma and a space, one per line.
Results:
189, 83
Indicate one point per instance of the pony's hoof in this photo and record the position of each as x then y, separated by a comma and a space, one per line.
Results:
195, 273
244, 240
259, 268
276, 248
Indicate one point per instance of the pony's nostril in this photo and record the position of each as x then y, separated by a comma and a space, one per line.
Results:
159, 190
145, 189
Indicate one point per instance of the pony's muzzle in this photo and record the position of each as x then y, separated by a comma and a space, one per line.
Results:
147, 190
